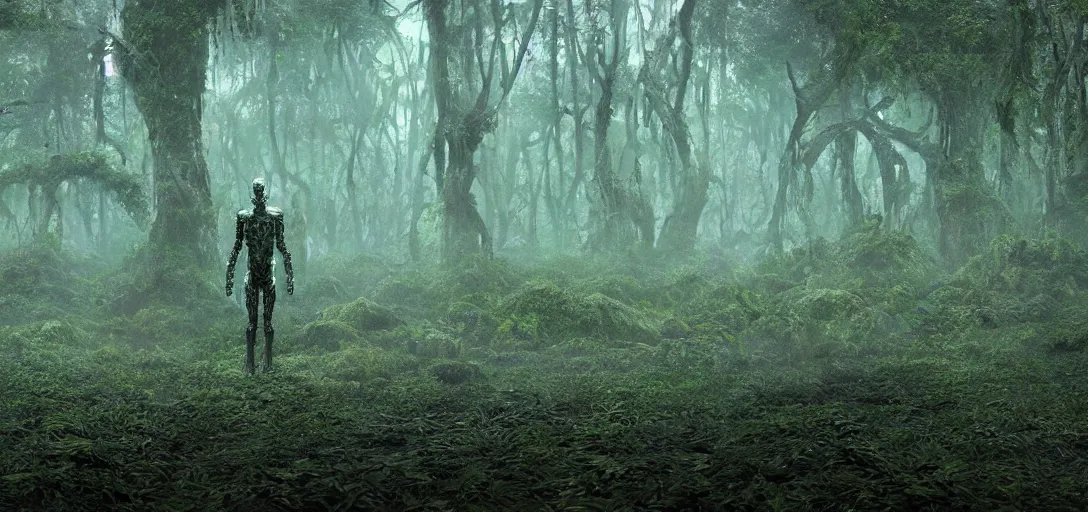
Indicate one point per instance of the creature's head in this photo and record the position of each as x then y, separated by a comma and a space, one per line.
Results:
259, 197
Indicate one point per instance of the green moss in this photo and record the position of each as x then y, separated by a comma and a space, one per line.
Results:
363, 315
92, 167
579, 347
1069, 333
731, 307
434, 344
1028, 267
823, 304
623, 288
544, 312
808, 316
327, 335
59, 332
472, 323
455, 372
674, 328
362, 364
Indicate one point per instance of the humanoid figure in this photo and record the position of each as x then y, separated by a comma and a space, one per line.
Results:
260, 228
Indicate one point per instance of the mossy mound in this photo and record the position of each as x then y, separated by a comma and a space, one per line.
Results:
674, 329
154, 325
455, 372
544, 312
951, 310
325, 286
580, 347
362, 363
825, 304
1024, 267
435, 344
327, 335
684, 285
883, 258
868, 256
363, 315
40, 282
805, 315
1016, 280
59, 332
730, 308
623, 288
1067, 334
472, 323
334, 275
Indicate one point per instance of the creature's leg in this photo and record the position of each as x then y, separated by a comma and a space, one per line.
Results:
269, 304
251, 328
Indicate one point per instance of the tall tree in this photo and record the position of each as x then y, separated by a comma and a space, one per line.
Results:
463, 120
624, 215
164, 57
681, 225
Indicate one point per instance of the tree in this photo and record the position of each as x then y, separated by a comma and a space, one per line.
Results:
462, 94
164, 57
681, 225
624, 213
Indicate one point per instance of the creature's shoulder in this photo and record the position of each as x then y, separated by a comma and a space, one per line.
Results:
244, 214
274, 211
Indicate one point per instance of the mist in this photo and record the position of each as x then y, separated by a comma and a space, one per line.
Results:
543, 255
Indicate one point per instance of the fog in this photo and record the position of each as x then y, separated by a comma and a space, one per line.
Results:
543, 255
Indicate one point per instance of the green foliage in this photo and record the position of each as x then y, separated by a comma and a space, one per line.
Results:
92, 167
425, 342
1069, 333
40, 282
363, 364
731, 307
884, 258
327, 335
155, 325
426, 291
1052, 266
848, 410
19, 15
580, 347
868, 255
455, 372
363, 315
543, 312
805, 316
471, 322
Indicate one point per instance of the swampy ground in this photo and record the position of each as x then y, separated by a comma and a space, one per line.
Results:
854, 375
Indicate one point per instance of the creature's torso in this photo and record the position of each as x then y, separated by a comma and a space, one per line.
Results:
261, 230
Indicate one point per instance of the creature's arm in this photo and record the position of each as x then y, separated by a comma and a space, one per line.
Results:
238, 237
282, 246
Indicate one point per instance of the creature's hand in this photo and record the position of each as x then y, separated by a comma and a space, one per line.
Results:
290, 287
230, 287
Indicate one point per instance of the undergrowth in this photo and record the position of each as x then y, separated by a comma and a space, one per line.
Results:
849, 375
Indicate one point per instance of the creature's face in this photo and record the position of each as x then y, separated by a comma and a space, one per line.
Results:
259, 197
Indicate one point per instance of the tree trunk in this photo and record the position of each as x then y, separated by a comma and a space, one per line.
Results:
165, 62
462, 125
681, 226
846, 146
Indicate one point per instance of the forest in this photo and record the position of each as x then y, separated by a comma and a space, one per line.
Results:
751, 255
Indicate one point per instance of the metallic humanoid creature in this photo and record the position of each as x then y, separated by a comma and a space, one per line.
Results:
260, 228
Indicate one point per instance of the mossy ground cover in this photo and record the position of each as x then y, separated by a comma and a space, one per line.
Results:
725, 409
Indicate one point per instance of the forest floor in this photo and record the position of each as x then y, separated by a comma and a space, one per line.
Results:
748, 388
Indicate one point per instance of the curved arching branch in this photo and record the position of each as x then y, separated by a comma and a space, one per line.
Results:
51, 174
